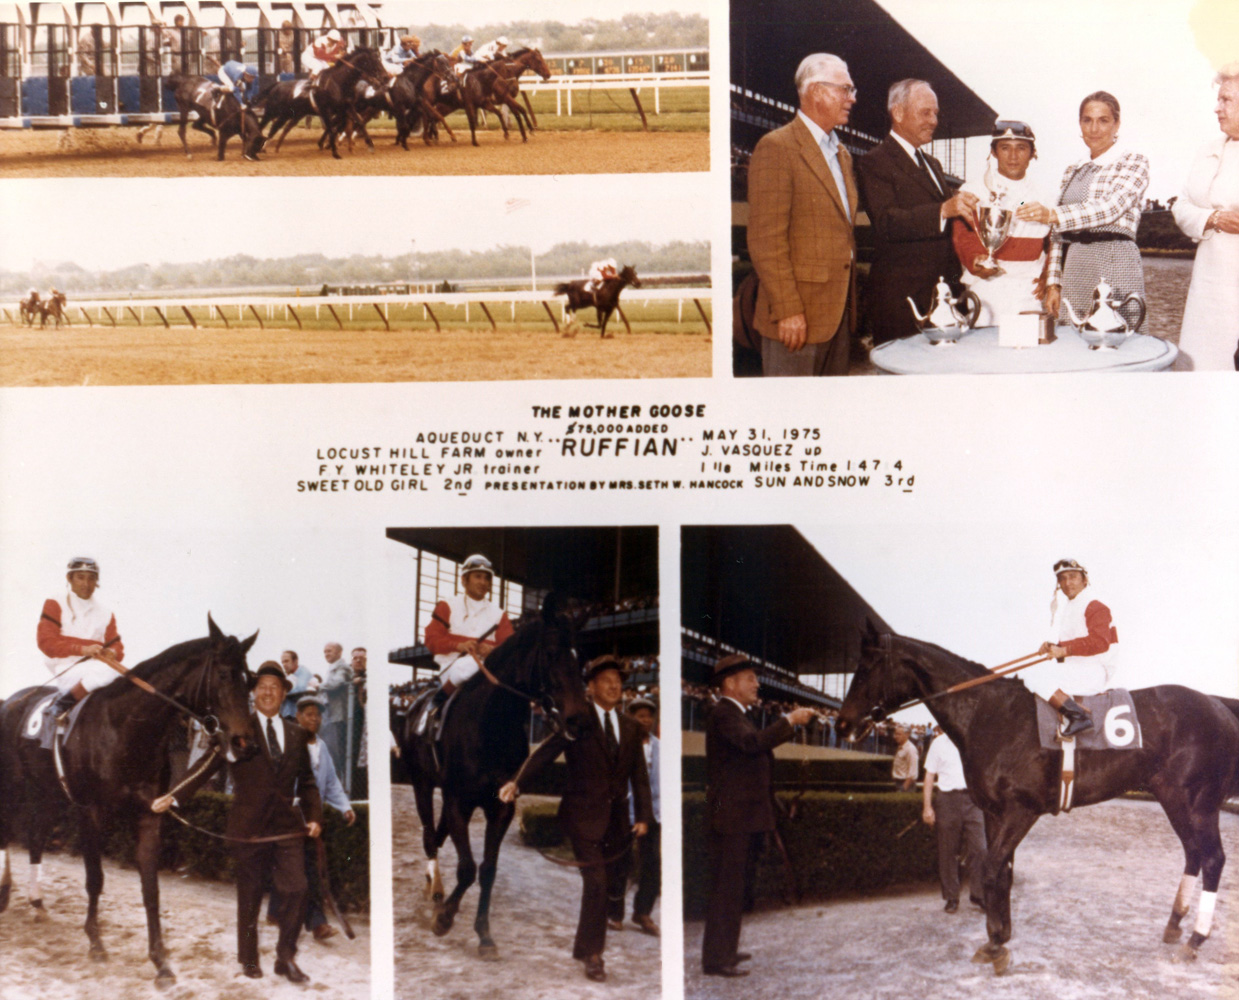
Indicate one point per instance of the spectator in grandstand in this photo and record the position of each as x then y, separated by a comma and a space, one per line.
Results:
86, 51
802, 203
300, 676
335, 688
740, 804
960, 825
907, 761
285, 41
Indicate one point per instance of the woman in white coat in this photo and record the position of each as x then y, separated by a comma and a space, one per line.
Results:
1208, 212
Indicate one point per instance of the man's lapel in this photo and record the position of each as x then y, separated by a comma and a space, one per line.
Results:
813, 157
913, 170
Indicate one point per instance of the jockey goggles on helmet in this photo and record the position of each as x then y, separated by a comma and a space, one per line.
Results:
83, 564
1068, 566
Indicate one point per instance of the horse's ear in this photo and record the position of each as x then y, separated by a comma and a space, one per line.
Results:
247, 644
215, 632
869, 635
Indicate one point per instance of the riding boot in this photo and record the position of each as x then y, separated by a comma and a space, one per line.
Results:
64, 704
1075, 719
436, 709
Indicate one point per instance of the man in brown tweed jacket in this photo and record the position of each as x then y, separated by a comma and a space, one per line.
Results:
802, 204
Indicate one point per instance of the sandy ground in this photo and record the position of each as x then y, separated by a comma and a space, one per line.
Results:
116, 153
48, 958
152, 355
533, 920
1092, 893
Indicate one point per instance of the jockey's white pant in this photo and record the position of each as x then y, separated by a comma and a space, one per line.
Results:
1075, 675
460, 671
92, 674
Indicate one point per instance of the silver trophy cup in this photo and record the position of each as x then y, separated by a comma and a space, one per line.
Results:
993, 227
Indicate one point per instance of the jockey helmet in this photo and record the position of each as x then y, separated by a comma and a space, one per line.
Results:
502, 41
1067, 566
410, 41
83, 564
334, 36
466, 39
476, 564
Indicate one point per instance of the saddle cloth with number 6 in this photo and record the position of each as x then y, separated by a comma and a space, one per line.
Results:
1115, 726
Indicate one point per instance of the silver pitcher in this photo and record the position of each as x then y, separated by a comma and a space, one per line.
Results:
944, 323
1105, 328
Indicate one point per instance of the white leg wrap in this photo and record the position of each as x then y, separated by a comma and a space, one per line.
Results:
1204, 917
36, 892
1183, 899
432, 869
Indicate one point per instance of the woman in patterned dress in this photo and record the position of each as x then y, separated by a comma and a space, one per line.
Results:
1093, 228
1208, 212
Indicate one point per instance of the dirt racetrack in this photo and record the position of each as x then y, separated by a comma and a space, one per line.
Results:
533, 919
151, 355
114, 152
1092, 893
48, 958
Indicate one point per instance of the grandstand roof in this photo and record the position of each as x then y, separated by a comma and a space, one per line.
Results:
591, 564
770, 37
764, 590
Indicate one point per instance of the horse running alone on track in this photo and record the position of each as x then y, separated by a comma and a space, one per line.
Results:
54, 307
1189, 761
482, 744
116, 763
604, 300
219, 116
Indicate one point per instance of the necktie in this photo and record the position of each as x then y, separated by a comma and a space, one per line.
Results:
920, 158
273, 743
612, 742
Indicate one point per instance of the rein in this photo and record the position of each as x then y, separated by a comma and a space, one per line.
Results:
207, 761
1010, 667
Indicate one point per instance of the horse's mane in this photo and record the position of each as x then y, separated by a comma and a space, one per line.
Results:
527, 635
973, 669
150, 669
520, 50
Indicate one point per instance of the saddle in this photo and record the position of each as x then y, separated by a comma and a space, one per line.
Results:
1115, 727
40, 722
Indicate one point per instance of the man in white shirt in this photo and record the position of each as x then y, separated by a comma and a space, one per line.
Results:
959, 822
907, 761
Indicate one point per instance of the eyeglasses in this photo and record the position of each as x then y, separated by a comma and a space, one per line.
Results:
845, 88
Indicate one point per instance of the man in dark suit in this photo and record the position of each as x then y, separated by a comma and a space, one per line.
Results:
739, 804
594, 809
264, 786
909, 202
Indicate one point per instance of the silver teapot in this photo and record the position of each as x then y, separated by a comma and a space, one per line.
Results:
944, 323
1105, 327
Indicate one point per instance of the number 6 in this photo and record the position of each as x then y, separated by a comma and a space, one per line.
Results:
1119, 731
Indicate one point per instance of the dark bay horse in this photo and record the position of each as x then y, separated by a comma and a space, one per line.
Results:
219, 116
53, 306
415, 93
484, 88
336, 89
518, 61
1189, 761
116, 763
603, 300
482, 744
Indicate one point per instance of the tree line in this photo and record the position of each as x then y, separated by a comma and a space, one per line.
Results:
632, 31
314, 269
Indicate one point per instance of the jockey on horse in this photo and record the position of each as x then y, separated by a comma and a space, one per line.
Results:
322, 53
600, 271
463, 630
78, 637
234, 78
31, 306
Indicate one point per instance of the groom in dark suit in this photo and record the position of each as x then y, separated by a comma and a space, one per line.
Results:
739, 803
264, 786
910, 203
594, 809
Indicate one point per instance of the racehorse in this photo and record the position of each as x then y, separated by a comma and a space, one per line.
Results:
482, 744
30, 307
335, 90
284, 103
219, 116
115, 763
604, 299
484, 88
518, 61
54, 307
415, 92
1189, 761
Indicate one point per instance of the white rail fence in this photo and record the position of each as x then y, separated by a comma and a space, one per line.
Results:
342, 308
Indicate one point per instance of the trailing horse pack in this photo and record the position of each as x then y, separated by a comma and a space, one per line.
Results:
1115, 727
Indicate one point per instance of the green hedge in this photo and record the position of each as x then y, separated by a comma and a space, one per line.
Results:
348, 848
839, 843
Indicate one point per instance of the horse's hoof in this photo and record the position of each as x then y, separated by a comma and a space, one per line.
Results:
986, 954
442, 924
1171, 934
1184, 953
488, 952
98, 953
1002, 962
165, 978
